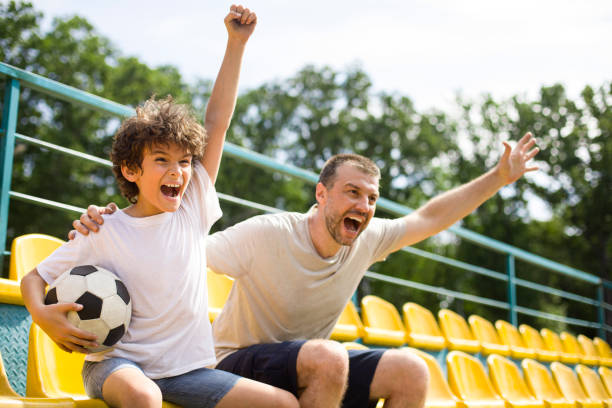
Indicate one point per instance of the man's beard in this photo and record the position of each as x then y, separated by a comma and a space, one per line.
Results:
334, 226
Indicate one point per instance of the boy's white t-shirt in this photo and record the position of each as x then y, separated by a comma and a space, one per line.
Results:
162, 261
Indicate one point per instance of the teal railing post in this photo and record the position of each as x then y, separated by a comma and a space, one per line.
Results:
510, 270
7, 146
601, 313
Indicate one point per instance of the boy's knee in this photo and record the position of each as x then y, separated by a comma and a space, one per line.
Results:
145, 396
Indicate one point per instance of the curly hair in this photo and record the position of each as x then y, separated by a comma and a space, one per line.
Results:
157, 122
328, 174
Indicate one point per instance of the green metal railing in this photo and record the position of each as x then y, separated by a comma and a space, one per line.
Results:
8, 132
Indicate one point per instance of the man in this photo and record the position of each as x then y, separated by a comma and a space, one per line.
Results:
295, 272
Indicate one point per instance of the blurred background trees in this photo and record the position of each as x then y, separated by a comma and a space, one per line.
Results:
563, 212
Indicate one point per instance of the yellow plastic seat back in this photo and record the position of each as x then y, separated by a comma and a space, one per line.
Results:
570, 344
509, 383
382, 322
351, 345
592, 384
52, 372
422, 329
29, 250
469, 381
439, 394
457, 333
553, 342
486, 334
570, 387
533, 340
511, 337
590, 351
219, 287
603, 348
349, 326
606, 378
542, 385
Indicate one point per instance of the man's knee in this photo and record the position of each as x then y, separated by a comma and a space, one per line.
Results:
404, 375
324, 359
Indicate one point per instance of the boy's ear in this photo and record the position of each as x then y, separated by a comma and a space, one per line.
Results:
130, 174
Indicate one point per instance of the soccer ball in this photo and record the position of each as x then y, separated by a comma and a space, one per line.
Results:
107, 308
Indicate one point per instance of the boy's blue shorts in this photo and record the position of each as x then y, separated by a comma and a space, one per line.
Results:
203, 387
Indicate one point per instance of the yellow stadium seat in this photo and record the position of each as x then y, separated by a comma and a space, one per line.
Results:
486, 334
457, 333
511, 337
589, 350
29, 250
9, 398
603, 348
553, 342
422, 329
592, 384
439, 394
509, 383
219, 287
349, 326
383, 325
54, 373
351, 345
570, 344
469, 381
606, 378
542, 385
534, 341
570, 387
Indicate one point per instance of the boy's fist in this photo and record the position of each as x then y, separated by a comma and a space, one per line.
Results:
240, 22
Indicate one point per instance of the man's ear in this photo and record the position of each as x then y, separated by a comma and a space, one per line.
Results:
321, 193
130, 174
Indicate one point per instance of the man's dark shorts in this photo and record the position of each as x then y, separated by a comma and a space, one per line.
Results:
275, 364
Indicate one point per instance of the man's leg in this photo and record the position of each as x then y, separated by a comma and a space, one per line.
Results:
322, 372
401, 378
315, 371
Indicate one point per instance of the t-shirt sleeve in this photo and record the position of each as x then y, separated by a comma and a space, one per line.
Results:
72, 253
231, 251
384, 235
201, 200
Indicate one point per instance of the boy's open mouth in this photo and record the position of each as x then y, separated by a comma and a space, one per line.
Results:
170, 190
352, 224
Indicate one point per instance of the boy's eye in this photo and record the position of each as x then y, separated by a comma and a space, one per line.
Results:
186, 162
160, 159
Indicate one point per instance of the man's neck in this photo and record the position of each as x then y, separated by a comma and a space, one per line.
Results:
323, 242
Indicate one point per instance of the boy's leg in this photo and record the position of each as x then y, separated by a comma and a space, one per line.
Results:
121, 383
208, 388
253, 394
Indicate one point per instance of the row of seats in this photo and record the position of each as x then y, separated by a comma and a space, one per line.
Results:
380, 324
468, 385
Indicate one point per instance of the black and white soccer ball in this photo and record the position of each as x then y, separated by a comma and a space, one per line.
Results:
107, 307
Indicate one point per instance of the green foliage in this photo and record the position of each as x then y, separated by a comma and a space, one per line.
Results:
316, 113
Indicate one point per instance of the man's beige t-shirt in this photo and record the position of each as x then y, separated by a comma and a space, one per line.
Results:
283, 289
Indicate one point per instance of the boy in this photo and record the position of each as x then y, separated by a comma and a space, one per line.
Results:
157, 246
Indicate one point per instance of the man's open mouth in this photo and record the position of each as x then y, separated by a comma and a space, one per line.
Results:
170, 190
352, 224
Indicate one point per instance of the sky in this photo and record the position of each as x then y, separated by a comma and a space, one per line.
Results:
427, 50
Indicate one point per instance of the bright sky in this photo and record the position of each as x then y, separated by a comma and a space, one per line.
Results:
427, 50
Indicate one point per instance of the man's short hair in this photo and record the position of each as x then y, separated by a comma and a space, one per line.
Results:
327, 177
157, 122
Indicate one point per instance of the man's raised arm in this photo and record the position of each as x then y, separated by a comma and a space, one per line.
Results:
447, 208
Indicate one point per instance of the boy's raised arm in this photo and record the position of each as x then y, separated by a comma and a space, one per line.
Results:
240, 23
